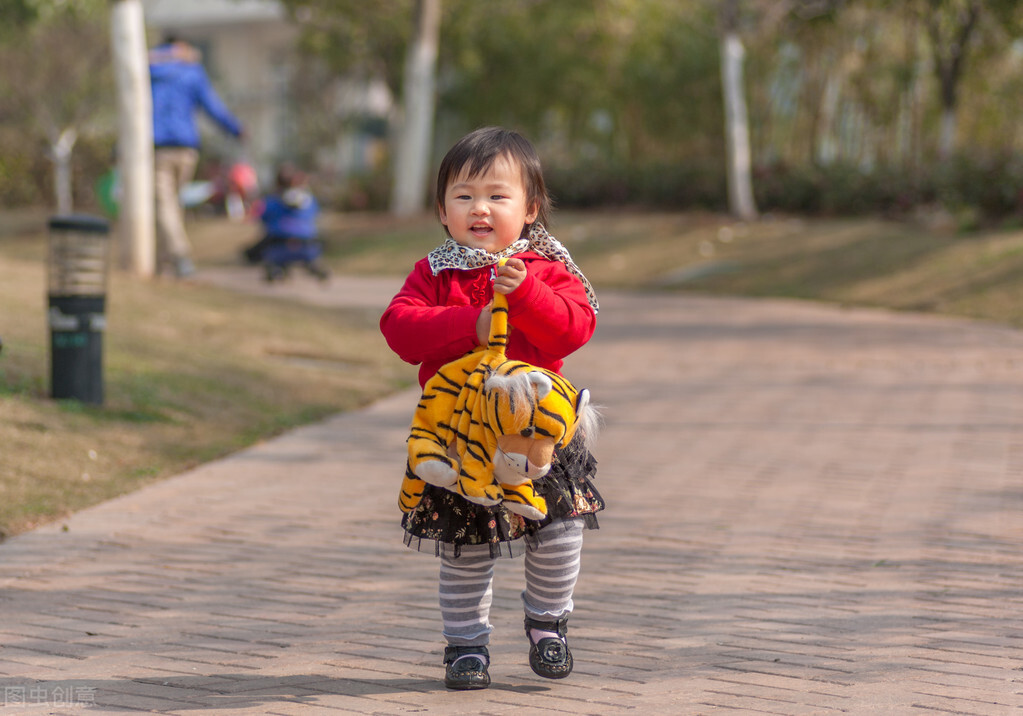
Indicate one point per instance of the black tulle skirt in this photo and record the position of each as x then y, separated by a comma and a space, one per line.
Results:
444, 518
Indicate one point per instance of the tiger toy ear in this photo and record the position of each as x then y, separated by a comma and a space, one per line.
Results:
582, 402
542, 384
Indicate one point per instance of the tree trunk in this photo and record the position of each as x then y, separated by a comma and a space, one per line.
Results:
61, 147
949, 62
411, 167
827, 136
947, 137
136, 229
737, 142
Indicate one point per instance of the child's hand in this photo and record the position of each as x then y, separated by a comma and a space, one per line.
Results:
483, 326
510, 276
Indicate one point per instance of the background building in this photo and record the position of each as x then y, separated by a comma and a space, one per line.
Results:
248, 49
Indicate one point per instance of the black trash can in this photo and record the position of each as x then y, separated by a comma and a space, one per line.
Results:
79, 257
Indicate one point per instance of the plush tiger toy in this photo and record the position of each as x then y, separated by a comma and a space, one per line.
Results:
486, 426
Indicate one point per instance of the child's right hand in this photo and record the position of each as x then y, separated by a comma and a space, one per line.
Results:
483, 325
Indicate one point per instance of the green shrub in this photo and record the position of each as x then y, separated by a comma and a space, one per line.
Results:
989, 188
26, 177
692, 185
991, 185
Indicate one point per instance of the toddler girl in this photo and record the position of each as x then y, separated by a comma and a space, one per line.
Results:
493, 203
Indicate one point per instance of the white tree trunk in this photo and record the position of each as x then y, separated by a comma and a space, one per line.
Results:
737, 142
135, 138
60, 152
827, 139
411, 166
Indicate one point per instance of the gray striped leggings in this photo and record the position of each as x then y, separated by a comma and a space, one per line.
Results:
466, 583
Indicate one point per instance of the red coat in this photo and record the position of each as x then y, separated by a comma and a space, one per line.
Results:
432, 319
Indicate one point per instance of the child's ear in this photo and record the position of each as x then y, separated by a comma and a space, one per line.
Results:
534, 211
442, 215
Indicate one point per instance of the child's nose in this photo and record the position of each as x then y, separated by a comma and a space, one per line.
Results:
480, 207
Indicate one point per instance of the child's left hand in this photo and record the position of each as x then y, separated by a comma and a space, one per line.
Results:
510, 276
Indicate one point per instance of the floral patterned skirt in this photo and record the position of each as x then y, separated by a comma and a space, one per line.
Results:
445, 518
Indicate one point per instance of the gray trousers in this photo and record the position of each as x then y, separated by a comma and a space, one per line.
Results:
174, 167
466, 583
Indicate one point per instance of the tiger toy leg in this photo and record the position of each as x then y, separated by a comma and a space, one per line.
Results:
523, 500
435, 421
411, 491
477, 442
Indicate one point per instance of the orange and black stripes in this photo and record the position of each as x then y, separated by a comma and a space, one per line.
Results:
461, 411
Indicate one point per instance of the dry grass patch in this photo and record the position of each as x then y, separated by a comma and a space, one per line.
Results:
191, 373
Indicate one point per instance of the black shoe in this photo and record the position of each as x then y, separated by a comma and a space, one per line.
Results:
273, 272
466, 667
550, 657
318, 269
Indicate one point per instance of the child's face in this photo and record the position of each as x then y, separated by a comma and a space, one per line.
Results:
488, 211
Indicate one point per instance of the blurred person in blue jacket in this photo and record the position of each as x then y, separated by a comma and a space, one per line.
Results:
289, 217
180, 88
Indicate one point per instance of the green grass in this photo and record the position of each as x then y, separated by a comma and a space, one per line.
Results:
194, 372
191, 373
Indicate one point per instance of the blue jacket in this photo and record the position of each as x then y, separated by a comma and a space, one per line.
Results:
180, 87
291, 215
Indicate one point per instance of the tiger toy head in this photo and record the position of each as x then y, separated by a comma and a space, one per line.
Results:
531, 412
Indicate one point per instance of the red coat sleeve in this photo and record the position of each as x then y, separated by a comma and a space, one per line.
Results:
550, 310
420, 328
432, 319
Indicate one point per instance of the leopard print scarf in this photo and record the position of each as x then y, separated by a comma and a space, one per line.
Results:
452, 255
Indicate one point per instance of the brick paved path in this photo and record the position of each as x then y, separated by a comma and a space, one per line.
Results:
813, 511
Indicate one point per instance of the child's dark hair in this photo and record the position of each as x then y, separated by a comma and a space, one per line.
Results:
289, 176
476, 152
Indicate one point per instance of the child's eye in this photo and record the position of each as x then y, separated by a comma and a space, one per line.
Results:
496, 197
